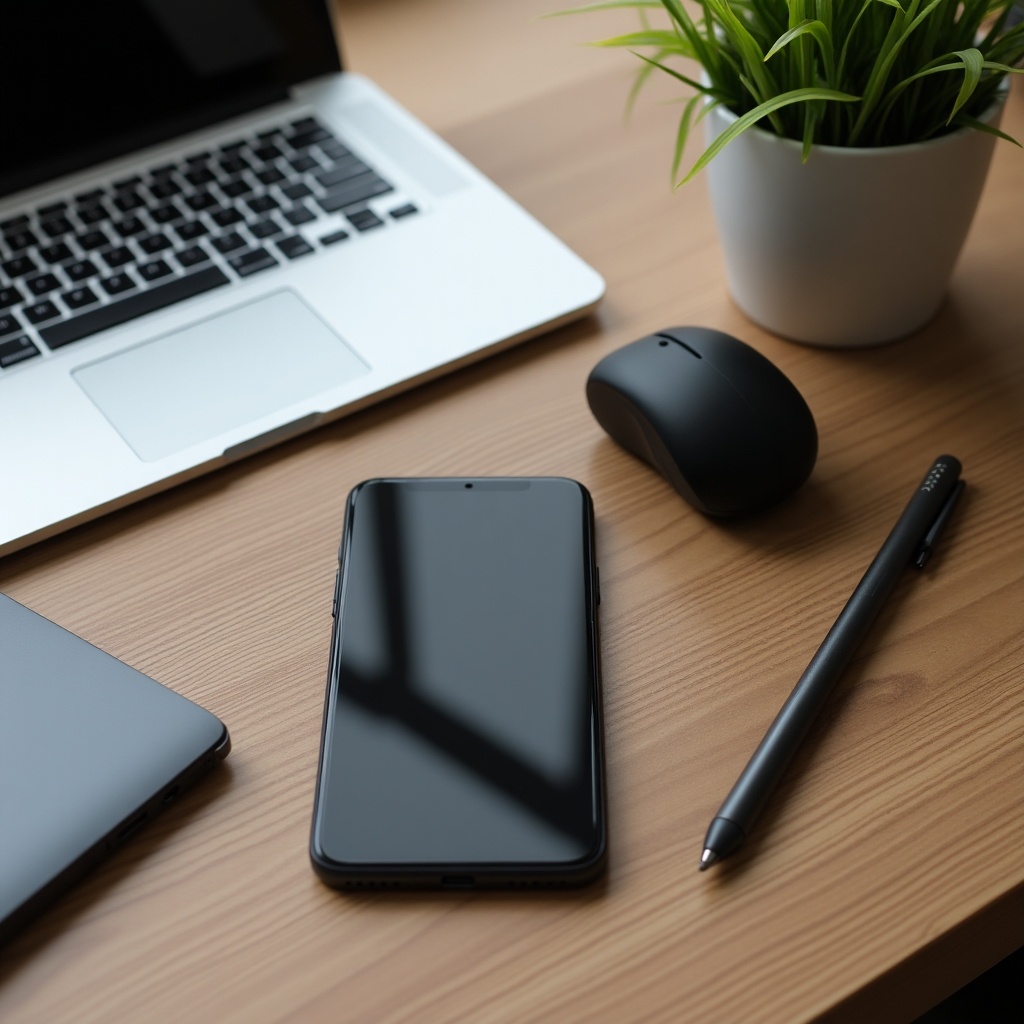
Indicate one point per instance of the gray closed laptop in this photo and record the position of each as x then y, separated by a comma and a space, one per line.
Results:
89, 749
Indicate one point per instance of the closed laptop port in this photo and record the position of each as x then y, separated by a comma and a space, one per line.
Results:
132, 825
457, 881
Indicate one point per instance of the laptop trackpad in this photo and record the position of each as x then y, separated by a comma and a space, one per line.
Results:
219, 374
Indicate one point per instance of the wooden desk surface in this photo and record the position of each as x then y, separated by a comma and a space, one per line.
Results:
888, 870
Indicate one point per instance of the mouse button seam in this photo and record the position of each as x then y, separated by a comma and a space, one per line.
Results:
677, 341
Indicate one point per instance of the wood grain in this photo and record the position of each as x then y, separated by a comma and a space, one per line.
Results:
888, 869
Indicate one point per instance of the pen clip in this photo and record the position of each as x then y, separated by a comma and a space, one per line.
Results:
927, 545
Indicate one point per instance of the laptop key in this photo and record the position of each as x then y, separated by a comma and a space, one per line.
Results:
229, 242
81, 270
118, 257
129, 226
153, 244
10, 296
42, 285
78, 297
84, 198
304, 162
234, 164
225, 218
199, 176
297, 191
117, 283
191, 256
191, 229
299, 215
14, 223
95, 239
166, 213
335, 236
345, 170
19, 240
261, 204
128, 201
235, 188
155, 270
56, 252
176, 290
333, 149
364, 220
303, 139
265, 228
41, 312
164, 188
294, 246
19, 266
270, 176
200, 201
57, 226
354, 193
89, 215
403, 211
9, 324
252, 262
16, 350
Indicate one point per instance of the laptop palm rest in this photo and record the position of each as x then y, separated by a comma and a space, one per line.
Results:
218, 375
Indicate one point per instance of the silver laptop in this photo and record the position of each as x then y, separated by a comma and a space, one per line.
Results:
212, 238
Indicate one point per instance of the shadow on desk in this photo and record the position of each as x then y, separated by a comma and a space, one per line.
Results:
997, 997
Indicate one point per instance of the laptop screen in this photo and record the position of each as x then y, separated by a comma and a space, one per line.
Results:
84, 82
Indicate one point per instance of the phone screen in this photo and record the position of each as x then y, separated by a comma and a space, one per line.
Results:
462, 726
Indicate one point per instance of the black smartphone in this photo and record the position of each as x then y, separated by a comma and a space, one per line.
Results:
461, 742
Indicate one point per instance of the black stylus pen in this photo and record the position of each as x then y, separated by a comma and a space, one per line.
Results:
911, 541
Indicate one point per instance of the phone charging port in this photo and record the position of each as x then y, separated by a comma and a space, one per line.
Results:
457, 881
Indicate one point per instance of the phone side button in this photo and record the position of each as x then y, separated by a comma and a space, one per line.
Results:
597, 585
334, 603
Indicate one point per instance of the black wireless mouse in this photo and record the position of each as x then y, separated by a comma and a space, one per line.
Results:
723, 423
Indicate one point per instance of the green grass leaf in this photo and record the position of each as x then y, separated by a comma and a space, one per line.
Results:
818, 31
908, 70
602, 5
972, 61
980, 126
685, 123
751, 117
692, 83
664, 38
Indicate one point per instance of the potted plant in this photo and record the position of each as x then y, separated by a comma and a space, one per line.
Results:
848, 143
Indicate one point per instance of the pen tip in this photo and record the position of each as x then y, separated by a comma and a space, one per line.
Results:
707, 858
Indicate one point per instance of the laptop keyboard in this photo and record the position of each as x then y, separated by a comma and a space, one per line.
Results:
100, 258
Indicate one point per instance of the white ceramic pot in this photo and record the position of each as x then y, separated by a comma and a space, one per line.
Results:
855, 247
